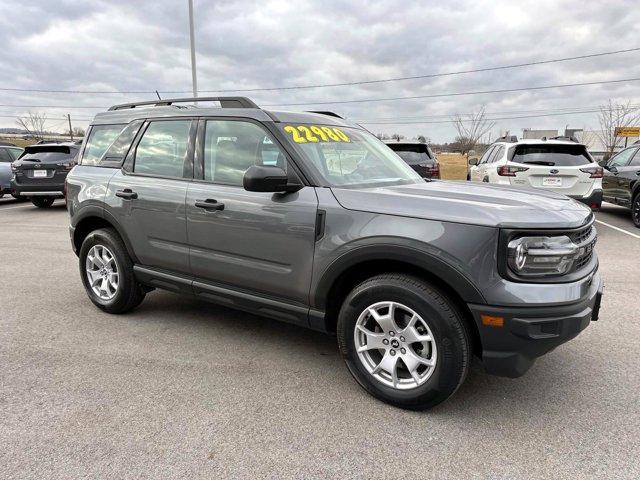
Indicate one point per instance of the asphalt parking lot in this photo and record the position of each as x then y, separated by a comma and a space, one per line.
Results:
185, 389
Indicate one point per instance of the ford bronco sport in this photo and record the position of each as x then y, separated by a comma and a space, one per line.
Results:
308, 218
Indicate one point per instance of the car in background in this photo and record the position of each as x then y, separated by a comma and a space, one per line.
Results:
620, 184
559, 164
8, 154
418, 156
40, 173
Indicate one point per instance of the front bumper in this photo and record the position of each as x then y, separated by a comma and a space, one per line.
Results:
529, 332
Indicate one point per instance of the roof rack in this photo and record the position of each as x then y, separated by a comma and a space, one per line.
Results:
331, 114
225, 102
561, 137
510, 139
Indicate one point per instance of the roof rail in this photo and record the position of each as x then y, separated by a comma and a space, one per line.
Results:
225, 102
331, 114
510, 139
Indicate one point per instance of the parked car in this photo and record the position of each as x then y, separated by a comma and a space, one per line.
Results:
8, 154
418, 156
559, 164
310, 219
620, 183
40, 173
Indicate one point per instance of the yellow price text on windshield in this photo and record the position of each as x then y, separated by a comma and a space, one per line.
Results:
315, 134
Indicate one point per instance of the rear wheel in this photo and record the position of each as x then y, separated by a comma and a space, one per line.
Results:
42, 202
403, 341
107, 272
635, 210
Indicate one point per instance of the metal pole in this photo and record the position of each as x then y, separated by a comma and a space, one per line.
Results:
193, 50
70, 129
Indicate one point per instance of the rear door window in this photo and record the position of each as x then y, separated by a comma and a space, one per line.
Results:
100, 138
497, 154
552, 155
163, 149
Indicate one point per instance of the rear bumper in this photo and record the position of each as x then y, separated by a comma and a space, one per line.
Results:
32, 190
530, 332
594, 199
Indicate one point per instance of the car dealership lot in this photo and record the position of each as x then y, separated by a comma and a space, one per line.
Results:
182, 388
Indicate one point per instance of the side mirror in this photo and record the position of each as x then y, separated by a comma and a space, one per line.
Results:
603, 163
473, 162
267, 179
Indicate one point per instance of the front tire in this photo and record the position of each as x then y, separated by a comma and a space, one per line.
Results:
107, 272
635, 210
42, 202
403, 341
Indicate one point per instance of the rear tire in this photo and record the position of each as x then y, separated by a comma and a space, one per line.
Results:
128, 293
442, 353
42, 202
635, 210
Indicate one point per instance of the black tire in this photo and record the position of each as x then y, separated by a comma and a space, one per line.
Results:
635, 210
42, 202
17, 197
444, 320
129, 293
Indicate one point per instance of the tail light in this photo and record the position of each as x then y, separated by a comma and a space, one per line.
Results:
510, 170
594, 172
69, 165
434, 170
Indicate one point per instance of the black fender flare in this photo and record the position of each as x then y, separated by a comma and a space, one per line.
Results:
96, 211
427, 261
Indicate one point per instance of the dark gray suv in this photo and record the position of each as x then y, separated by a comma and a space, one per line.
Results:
309, 219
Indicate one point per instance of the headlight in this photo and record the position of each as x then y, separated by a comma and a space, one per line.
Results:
541, 256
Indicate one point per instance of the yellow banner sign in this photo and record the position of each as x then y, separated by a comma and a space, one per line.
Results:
627, 132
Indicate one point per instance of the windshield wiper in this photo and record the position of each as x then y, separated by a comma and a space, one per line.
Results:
540, 162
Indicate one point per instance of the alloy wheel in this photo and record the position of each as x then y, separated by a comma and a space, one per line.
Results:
102, 272
395, 345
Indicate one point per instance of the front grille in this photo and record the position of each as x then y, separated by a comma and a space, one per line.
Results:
585, 239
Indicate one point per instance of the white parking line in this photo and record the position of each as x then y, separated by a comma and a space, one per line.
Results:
617, 228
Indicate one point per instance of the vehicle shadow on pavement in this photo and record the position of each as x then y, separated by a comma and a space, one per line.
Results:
316, 351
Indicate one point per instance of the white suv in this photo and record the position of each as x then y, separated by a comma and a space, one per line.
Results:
560, 164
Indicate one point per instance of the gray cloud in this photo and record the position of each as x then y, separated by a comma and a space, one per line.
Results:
96, 45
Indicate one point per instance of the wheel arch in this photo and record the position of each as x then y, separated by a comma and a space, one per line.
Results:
91, 219
353, 268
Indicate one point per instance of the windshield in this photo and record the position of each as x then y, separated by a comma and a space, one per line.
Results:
349, 157
552, 155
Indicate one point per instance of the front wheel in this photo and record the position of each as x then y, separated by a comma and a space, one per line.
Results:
403, 341
42, 202
107, 272
635, 210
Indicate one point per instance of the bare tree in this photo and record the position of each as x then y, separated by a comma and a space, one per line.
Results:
471, 128
612, 116
33, 123
397, 137
423, 139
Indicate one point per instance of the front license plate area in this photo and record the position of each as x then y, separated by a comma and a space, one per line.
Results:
551, 182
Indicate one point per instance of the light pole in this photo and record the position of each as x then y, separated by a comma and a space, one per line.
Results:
193, 51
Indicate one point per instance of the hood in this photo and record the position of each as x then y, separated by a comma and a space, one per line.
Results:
469, 202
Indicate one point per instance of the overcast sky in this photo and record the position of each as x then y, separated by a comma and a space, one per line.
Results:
130, 46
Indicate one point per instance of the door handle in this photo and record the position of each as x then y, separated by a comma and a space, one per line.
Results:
209, 204
127, 194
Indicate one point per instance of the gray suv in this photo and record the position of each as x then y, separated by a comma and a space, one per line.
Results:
309, 219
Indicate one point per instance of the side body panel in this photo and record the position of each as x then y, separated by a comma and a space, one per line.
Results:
261, 242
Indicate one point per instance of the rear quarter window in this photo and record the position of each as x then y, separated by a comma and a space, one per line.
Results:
99, 140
